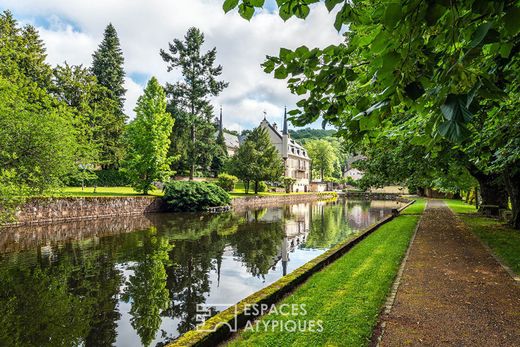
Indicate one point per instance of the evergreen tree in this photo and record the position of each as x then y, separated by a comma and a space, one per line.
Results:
257, 159
148, 139
107, 66
190, 96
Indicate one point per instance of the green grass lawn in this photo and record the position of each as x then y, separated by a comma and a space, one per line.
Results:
460, 207
101, 191
347, 296
503, 241
416, 208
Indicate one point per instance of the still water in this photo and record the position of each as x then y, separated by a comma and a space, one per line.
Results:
137, 281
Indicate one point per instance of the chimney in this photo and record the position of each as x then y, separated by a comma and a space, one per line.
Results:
285, 131
285, 137
275, 126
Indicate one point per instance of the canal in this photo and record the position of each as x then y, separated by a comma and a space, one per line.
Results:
138, 281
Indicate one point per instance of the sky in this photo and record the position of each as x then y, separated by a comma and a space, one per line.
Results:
73, 29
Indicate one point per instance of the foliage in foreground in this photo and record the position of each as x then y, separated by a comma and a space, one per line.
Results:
352, 304
441, 76
194, 196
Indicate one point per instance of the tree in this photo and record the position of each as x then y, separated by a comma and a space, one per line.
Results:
148, 139
107, 66
89, 102
445, 71
190, 96
257, 160
323, 156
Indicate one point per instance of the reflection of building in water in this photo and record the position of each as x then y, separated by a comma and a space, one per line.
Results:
296, 230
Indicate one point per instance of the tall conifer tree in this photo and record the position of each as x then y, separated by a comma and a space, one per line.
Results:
107, 66
191, 95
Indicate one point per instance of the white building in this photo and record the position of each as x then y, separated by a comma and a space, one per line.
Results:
296, 160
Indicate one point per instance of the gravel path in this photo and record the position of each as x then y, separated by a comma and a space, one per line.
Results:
452, 291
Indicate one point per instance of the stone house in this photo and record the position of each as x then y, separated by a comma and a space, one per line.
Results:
295, 157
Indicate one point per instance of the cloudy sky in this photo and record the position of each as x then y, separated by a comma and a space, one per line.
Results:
72, 30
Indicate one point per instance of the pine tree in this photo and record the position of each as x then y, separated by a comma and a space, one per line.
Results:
191, 95
108, 68
148, 139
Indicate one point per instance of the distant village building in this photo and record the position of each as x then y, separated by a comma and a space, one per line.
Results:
352, 172
296, 160
232, 141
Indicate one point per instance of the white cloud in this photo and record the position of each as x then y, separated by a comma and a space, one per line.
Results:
144, 27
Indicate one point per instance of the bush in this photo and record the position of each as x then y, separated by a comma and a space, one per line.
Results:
194, 196
227, 182
263, 187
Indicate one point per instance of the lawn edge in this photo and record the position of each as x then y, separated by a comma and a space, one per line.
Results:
217, 329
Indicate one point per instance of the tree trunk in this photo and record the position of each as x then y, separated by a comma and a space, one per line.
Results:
192, 159
321, 172
512, 181
246, 187
492, 188
256, 187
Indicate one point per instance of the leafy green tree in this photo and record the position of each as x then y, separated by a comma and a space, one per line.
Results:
148, 139
189, 98
107, 66
257, 160
89, 102
323, 156
444, 71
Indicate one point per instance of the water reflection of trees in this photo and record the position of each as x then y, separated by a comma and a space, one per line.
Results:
69, 294
146, 288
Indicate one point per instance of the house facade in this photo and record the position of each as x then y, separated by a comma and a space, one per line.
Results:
295, 157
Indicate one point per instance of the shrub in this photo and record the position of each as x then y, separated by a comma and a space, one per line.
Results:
288, 183
227, 182
194, 196
262, 187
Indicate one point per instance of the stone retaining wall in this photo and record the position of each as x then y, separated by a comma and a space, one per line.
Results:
273, 200
372, 195
50, 210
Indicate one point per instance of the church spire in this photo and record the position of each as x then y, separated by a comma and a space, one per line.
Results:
285, 132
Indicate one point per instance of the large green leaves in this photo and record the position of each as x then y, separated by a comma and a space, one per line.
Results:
456, 114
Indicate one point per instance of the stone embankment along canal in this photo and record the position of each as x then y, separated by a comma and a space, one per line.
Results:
50, 210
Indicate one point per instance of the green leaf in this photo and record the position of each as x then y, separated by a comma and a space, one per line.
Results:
280, 73
268, 66
285, 12
393, 14
257, 3
479, 34
286, 55
229, 5
302, 11
246, 12
342, 16
330, 4
453, 131
370, 122
512, 20
302, 51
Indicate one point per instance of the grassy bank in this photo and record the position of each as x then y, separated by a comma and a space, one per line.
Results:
347, 296
503, 241
101, 191
417, 208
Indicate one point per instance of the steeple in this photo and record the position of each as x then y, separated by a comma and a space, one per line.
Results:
285, 132
221, 126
